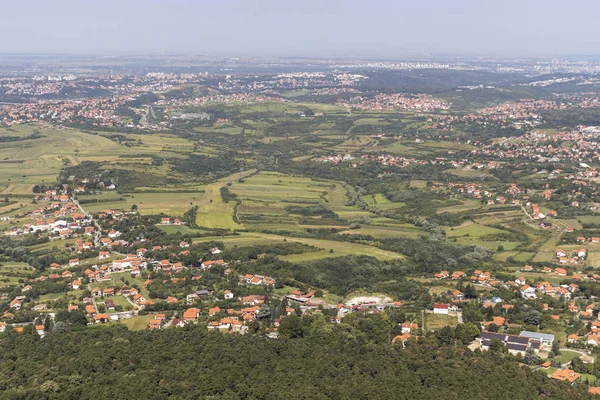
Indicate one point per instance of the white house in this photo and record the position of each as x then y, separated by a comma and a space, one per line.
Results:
528, 292
440, 308
520, 281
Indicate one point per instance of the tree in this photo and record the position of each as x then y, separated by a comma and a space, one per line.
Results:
531, 358
466, 333
470, 292
578, 365
445, 335
556, 347
497, 346
471, 313
59, 327
291, 327
532, 317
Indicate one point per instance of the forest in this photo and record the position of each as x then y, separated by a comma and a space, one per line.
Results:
332, 362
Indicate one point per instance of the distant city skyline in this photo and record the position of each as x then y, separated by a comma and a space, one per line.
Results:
383, 29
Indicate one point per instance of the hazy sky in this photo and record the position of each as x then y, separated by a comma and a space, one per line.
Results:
324, 28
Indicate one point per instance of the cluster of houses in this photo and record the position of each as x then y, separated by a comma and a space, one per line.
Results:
593, 239
571, 257
365, 307
169, 221
60, 220
475, 190
592, 338
408, 330
526, 289
258, 280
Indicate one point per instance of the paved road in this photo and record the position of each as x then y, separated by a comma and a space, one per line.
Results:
567, 364
98, 233
131, 302
93, 298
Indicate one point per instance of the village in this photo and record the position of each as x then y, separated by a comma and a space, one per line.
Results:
111, 280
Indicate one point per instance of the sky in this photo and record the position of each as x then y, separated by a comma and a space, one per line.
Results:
389, 29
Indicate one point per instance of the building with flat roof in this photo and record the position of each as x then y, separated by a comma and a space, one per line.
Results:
545, 339
515, 344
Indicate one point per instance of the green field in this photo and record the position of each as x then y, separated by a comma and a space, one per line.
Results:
36, 161
566, 356
137, 322
437, 321
185, 230
467, 205
12, 272
339, 248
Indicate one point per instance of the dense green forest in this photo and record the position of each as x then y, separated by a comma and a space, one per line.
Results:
333, 362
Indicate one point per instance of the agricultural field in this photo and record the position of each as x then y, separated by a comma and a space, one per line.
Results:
12, 272
36, 161
330, 248
437, 321
268, 194
378, 200
137, 322
213, 212
466, 205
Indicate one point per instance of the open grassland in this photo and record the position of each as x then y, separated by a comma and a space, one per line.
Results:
12, 272
470, 229
400, 148
14, 211
540, 276
589, 219
383, 232
593, 259
265, 196
185, 230
274, 187
26, 163
520, 256
167, 202
466, 205
137, 322
35, 161
417, 183
437, 321
129, 280
160, 144
339, 248
470, 233
566, 356
380, 201
469, 173
213, 212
